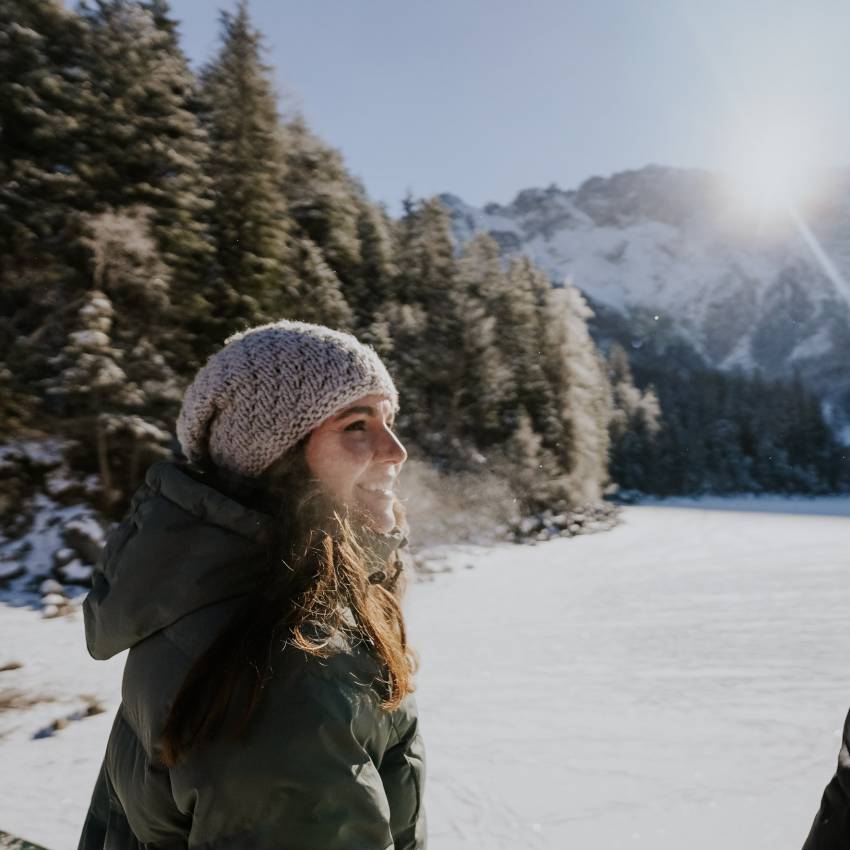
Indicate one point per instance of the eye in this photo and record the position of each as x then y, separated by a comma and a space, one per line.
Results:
359, 425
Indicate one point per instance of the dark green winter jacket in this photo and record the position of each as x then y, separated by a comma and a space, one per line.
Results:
321, 767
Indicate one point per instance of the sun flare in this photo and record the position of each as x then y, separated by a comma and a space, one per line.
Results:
771, 171
767, 184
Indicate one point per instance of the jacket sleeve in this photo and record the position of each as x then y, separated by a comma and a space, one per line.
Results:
403, 776
831, 828
306, 775
97, 600
105, 824
93, 836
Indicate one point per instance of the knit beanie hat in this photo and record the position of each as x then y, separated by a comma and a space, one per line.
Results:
270, 386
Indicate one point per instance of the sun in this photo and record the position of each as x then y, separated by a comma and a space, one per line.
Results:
767, 184
770, 170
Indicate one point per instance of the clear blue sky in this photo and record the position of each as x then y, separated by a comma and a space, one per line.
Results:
483, 98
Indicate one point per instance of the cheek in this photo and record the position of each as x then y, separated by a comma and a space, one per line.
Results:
337, 462
349, 462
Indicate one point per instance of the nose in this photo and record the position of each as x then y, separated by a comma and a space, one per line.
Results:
390, 448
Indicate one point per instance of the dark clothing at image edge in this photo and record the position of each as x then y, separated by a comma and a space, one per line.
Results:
831, 827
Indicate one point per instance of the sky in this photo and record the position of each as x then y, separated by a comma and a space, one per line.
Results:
483, 98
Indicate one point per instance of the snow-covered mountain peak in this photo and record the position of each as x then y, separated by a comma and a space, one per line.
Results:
748, 289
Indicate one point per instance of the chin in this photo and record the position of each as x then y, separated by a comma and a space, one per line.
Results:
380, 518
381, 524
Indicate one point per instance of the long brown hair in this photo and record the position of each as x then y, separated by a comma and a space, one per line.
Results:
318, 587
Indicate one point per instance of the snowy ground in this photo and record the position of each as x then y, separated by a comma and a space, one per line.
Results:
678, 682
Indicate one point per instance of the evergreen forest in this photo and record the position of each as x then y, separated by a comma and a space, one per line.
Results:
149, 210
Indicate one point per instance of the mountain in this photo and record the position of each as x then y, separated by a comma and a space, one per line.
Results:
680, 249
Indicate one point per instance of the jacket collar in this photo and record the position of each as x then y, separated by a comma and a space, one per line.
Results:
184, 546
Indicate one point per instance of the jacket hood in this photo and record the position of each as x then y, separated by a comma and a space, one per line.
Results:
183, 546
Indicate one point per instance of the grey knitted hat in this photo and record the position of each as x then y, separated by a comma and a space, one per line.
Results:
270, 386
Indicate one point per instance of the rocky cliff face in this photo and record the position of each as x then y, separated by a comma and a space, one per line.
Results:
746, 289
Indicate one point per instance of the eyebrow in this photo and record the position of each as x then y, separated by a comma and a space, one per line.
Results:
369, 411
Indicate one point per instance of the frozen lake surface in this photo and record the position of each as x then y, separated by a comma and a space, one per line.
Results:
680, 681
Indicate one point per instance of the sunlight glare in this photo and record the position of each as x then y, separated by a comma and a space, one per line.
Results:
770, 171
767, 183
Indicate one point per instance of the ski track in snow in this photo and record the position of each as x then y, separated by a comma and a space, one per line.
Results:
680, 681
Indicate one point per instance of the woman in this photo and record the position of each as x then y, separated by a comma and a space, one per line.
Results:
266, 694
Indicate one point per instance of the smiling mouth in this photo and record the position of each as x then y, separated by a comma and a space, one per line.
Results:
376, 491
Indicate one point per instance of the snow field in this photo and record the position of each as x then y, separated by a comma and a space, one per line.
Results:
46, 783
680, 681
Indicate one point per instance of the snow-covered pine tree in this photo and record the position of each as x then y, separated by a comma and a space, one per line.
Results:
807, 437
40, 103
430, 365
87, 375
40, 98
124, 263
587, 398
531, 343
322, 198
250, 222
487, 394
321, 298
160, 12
634, 425
371, 285
529, 467
112, 388
400, 331
144, 144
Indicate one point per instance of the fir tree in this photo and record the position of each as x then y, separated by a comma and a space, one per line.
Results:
89, 374
111, 385
531, 344
88, 366
124, 263
720, 432
634, 424
160, 13
41, 97
321, 300
487, 395
371, 284
249, 219
323, 200
521, 462
144, 144
430, 368
401, 330
587, 399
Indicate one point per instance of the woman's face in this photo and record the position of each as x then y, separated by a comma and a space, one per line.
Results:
356, 457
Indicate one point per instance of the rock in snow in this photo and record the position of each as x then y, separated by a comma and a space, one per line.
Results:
50, 586
75, 572
85, 536
54, 599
